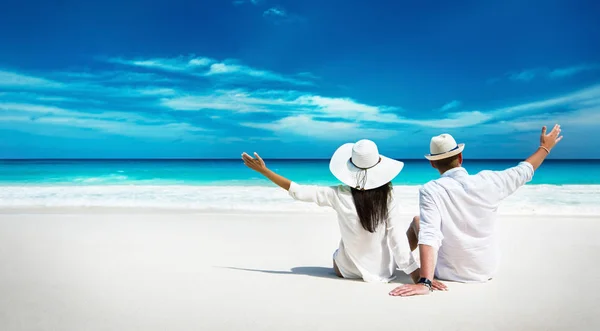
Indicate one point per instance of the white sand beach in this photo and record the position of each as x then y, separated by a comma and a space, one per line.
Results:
123, 269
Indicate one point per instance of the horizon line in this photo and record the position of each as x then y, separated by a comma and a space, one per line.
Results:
271, 159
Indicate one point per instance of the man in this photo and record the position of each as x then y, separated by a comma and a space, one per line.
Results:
458, 214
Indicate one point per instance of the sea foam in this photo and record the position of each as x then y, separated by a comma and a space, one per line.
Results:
529, 200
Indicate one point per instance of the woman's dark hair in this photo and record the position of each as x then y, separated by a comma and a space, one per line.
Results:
372, 206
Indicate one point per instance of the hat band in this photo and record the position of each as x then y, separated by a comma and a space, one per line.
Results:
365, 168
361, 176
455, 148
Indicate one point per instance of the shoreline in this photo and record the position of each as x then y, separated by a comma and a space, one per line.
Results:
261, 183
321, 212
530, 200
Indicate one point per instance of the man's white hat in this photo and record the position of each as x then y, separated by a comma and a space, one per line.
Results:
443, 147
359, 165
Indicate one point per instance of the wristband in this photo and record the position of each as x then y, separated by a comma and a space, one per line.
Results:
546, 149
426, 282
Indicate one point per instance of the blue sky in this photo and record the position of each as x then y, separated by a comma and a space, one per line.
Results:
296, 78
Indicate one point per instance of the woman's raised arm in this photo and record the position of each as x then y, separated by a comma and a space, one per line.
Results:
259, 166
321, 195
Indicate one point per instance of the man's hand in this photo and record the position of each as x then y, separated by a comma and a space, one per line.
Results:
255, 164
551, 139
409, 290
439, 286
547, 142
435, 284
417, 289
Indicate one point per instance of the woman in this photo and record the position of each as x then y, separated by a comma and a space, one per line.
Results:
373, 240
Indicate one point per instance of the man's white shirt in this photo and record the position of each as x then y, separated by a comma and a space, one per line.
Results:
458, 217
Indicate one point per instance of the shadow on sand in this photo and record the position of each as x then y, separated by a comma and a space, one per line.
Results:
320, 272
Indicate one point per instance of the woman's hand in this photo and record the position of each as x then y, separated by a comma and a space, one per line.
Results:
255, 164
259, 165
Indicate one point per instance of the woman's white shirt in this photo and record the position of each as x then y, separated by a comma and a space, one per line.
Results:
362, 254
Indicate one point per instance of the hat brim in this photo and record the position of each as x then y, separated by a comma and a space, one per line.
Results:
343, 169
457, 151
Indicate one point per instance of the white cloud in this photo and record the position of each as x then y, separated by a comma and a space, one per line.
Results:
571, 71
241, 2
241, 71
53, 99
209, 102
157, 91
176, 64
454, 120
579, 109
570, 122
113, 77
275, 12
531, 74
304, 125
206, 67
121, 123
12, 79
283, 102
308, 75
346, 108
222, 68
571, 101
303, 109
451, 105
337, 106
200, 62
303, 113
32, 108
64, 112
525, 75
129, 129
28, 96
231, 100
279, 15
88, 86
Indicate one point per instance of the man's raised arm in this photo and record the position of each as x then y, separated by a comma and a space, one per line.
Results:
547, 142
511, 179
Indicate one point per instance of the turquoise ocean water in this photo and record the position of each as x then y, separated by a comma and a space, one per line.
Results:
234, 173
559, 187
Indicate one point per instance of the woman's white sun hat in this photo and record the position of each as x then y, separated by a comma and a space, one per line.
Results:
443, 147
360, 166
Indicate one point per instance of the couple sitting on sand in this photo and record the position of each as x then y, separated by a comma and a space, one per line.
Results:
457, 223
